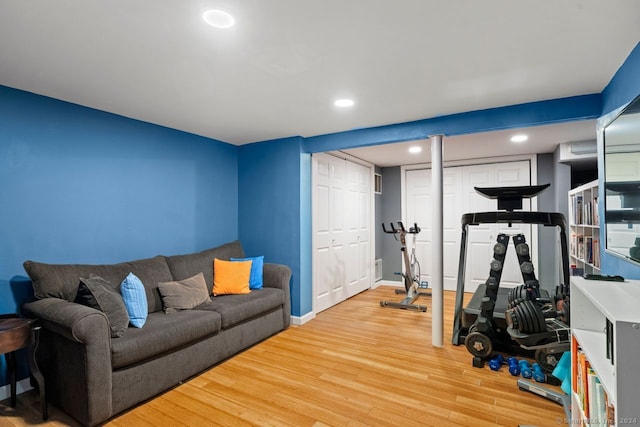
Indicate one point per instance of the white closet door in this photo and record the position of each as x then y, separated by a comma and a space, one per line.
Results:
357, 214
460, 197
482, 237
329, 269
453, 204
418, 184
341, 225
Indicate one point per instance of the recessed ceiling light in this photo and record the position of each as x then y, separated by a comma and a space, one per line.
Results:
343, 102
415, 149
519, 138
218, 18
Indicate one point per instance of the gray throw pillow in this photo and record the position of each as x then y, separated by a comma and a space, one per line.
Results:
96, 292
183, 294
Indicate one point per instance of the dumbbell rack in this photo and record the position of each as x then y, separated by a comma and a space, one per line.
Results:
509, 199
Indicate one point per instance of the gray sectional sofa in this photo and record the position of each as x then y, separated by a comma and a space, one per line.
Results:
92, 376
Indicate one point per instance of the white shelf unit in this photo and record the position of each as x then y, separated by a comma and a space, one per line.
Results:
584, 229
593, 302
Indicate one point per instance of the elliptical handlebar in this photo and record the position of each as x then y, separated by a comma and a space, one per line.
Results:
412, 230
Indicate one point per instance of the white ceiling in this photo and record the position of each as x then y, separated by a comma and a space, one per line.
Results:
541, 139
277, 71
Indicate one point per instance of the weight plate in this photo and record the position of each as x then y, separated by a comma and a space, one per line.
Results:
526, 326
518, 293
522, 249
541, 324
478, 344
526, 267
547, 361
510, 317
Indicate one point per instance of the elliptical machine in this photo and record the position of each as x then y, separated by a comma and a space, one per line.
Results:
411, 276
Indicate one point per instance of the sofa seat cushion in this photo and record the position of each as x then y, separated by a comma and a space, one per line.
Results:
236, 309
163, 333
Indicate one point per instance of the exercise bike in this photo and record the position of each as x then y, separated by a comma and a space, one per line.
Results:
411, 276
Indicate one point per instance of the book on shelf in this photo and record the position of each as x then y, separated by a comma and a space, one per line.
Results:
576, 209
596, 252
586, 214
580, 246
589, 391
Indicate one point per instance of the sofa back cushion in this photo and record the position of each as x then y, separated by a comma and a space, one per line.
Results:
184, 266
61, 280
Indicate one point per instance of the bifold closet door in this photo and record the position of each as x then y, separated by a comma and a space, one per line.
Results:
341, 230
358, 234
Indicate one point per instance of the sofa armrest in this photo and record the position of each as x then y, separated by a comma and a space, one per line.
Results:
75, 357
279, 276
73, 321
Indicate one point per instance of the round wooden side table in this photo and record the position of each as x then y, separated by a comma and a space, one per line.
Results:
17, 333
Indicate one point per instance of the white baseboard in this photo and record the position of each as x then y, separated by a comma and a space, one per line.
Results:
21, 387
398, 284
301, 320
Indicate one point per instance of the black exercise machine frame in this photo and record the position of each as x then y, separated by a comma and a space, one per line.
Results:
412, 281
548, 219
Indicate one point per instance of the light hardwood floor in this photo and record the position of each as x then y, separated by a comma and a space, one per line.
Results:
355, 364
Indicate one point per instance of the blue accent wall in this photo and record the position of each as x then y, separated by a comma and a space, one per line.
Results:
79, 185
274, 183
623, 88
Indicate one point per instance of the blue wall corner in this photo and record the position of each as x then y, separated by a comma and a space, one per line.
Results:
306, 249
269, 209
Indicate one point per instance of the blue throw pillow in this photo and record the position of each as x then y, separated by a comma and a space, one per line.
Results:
135, 299
257, 264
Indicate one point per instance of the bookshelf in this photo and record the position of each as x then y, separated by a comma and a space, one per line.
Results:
605, 335
584, 229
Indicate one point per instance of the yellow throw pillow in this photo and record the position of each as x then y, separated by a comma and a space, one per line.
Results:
231, 277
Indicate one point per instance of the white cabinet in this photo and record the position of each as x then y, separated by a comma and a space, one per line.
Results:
584, 229
605, 331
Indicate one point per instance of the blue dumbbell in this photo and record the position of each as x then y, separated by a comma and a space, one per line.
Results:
538, 374
514, 368
496, 362
525, 369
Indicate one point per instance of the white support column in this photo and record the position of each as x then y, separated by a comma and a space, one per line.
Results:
437, 246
